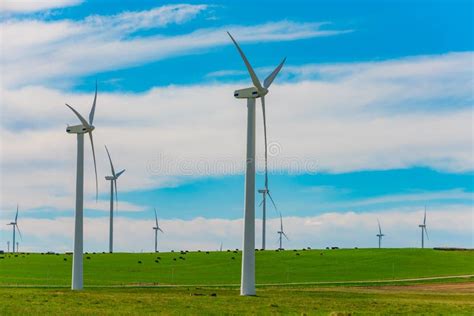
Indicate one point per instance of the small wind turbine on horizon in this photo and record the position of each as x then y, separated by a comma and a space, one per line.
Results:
281, 233
423, 231
80, 130
8, 246
247, 286
113, 186
15, 228
380, 235
156, 229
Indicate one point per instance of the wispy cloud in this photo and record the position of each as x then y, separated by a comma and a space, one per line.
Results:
36, 50
29, 6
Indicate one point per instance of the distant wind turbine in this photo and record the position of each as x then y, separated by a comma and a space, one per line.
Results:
281, 233
8, 246
266, 191
423, 231
156, 229
15, 228
113, 185
380, 235
80, 130
247, 286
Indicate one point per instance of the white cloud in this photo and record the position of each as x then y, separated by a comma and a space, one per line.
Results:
29, 6
131, 21
447, 226
342, 124
36, 51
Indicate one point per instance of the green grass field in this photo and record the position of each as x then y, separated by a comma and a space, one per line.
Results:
199, 268
35, 283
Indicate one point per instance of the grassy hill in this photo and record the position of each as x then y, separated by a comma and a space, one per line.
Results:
199, 268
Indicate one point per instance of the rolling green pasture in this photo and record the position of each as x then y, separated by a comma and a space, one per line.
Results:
223, 268
224, 301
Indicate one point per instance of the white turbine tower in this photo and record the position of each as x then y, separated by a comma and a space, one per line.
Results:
15, 228
247, 286
281, 233
156, 229
113, 186
380, 235
80, 130
423, 231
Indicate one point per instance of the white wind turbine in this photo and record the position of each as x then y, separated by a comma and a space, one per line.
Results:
80, 130
247, 286
265, 191
281, 233
380, 235
423, 231
113, 186
15, 228
156, 229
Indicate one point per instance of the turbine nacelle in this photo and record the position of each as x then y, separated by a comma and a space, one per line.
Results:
249, 93
263, 191
110, 178
79, 129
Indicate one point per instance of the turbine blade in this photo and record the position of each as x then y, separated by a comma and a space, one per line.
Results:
19, 233
252, 74
285, 236
271, 199
91, 114
268, 81
116, 195
110, 160
79, 116
16, 216
261, 203
95, 168
265, 139
426, 232
161, 230
424, 218
118, 174
156, 218
380, 229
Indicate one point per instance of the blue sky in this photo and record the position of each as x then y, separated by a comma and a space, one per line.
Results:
375, 96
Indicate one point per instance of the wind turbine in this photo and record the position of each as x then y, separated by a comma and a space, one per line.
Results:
380, 235
80, 130
8, 246
15, 228
113, 185
156, 229
281, 233
265, 191
423, 231
247, 285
